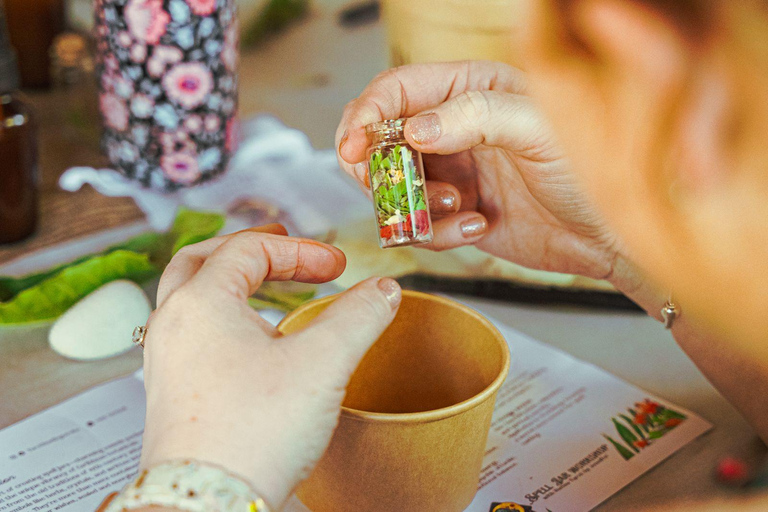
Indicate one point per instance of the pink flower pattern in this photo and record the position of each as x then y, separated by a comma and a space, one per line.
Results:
114, 110
180, 168
146, 20
229, 52
188, 84
167, 106
202, 7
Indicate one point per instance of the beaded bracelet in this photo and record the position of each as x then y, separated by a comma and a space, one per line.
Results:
190, 486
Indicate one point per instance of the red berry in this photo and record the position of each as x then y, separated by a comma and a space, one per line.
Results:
641, 443
641, 418
672, 422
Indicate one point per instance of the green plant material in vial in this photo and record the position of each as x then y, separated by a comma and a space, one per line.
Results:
398, 192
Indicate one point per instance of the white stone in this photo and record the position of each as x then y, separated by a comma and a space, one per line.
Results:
101, 324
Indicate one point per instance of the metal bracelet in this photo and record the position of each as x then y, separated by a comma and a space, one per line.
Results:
190, 486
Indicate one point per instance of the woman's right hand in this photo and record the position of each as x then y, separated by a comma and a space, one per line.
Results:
496, 178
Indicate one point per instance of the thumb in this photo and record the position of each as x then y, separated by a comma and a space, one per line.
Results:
494, 118
341, 335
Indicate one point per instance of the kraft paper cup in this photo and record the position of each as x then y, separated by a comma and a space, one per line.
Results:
415, 420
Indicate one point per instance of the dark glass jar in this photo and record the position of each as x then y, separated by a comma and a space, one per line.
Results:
33, 24
18, 169
396, 174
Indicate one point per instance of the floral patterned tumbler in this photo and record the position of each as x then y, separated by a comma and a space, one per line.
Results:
168, 88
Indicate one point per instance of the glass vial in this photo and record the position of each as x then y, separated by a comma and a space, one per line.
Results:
396, 174
18, 151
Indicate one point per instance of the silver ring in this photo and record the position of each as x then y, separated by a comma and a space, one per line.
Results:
139, 333
670, 312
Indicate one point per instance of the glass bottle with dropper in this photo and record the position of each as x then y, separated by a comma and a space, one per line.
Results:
18, 150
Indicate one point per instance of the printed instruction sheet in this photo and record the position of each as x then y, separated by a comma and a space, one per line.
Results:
566, 436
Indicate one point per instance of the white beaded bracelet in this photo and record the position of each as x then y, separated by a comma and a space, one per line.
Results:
191, 486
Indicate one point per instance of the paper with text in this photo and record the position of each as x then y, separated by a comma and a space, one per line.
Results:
566, 435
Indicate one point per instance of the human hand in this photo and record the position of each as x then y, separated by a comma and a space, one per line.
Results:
496, 178
223, 386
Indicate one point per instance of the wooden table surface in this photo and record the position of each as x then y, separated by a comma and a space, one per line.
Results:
305, 78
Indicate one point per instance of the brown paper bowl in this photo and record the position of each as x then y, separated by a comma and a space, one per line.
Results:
414, 424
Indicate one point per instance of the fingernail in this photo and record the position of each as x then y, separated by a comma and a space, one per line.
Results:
361, 171
473, 227
343, 140
391, 291
443, 202
424, 128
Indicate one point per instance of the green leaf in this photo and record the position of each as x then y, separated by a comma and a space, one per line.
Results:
633, 414
399, 191
625, 434
375, 163
283, 296
11, 286
656, 434
627, 454
420, 204
54, 295
191, 227
397, 157
632, 424
669, 413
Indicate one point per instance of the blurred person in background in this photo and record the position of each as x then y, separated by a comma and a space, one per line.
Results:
633, 152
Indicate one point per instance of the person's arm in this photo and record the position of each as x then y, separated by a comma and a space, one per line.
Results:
740, 379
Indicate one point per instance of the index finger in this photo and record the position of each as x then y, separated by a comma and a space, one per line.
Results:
186, 262
241, 264
410, 90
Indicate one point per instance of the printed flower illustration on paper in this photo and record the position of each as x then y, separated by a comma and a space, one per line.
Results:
644, 424
146, 20
114, 110
202, 7
180, 168
188, 84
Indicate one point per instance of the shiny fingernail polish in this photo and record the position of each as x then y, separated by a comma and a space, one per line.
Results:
443, 202
391, 291
473, 227
425, 128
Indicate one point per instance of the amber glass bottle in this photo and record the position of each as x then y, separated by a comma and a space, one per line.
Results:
32, 25
18, 151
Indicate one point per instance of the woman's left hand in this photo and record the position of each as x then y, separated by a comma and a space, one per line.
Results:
223, 386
